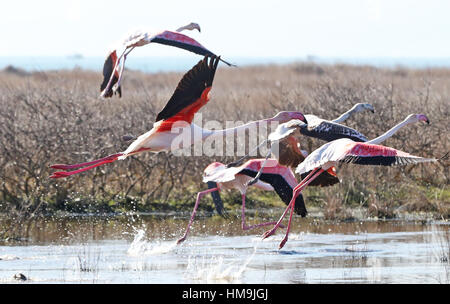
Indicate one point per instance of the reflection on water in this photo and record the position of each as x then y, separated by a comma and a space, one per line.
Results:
142, 249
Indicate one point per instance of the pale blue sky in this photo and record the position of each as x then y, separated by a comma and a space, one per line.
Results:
344, 28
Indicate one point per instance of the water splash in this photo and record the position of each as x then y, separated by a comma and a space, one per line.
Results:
8, 257
215, 270
140, 246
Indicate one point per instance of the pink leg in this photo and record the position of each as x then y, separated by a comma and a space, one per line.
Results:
199, 196
244, 226
95, 163
294, 196
272, 231
295, 193
67, 167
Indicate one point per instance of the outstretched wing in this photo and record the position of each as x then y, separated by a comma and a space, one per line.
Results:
191, 93
141, 38
183, 42
369, 154
329, 131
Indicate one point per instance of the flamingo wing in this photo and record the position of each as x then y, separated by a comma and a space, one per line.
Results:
347, 151
325, 179
183, 42
108, 70
222, 175
370, 154
289, 153
286, 129
141, 38
282, 188
329, 131
192, 92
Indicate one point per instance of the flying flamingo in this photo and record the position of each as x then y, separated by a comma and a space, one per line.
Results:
277, 176
191, 94
274, 178
290, 154
348, 151
286, 135
112, 76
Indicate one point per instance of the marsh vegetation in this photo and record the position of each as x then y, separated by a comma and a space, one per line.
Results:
57, 117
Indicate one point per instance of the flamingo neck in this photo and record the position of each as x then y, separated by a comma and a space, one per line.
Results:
347, 114
389, 133
212, 134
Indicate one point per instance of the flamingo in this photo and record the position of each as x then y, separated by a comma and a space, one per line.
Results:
359, 107
274, 178
191, 94
286, 135
112, 76
345, 150
289, 153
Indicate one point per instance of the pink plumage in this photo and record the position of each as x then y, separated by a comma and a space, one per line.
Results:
275, 177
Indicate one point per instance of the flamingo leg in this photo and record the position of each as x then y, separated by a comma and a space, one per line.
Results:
116, 86
199, 196
60, 174
67, 167
294, 196
272, 231
244, 226
92, 164
291, 205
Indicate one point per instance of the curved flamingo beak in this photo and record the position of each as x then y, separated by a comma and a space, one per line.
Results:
299, 116
128, 137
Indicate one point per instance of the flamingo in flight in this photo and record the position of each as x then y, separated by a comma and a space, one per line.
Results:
274, 178
289, 152
191, 94
112, 76
345, 150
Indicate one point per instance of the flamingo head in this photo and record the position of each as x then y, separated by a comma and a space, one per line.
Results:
194, 26
212, 168
412, 118
191, 26
364, 107
285, 116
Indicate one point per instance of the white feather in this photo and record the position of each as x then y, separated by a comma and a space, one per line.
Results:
327, 153
285, 129
222, 174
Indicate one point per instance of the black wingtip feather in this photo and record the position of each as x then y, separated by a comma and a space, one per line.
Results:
324, 179
282, 188
382, 160
191, 86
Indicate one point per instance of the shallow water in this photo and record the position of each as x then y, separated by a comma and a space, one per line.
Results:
142, 249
